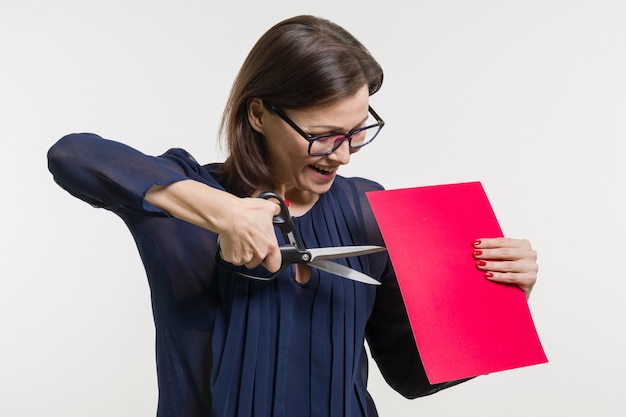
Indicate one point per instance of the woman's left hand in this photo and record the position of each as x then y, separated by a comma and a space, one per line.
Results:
507, 260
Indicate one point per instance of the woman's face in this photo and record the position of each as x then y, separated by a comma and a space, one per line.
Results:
295, 171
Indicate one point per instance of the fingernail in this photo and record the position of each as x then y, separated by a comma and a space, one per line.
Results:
481, 263
489, 275
477, 243
287, 203
478, 252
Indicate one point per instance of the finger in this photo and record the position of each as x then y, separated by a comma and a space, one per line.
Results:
525, 281
501, 242
275, 204
273, 260
502, 254
517, 278
506, 253
515, 266
246, 259
500, 266
253, 261
239, 256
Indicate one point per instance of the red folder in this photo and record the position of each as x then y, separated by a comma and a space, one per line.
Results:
464, 325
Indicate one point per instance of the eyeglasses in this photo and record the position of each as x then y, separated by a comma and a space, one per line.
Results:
327, 143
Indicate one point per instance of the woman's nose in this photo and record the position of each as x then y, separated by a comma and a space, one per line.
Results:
342, 153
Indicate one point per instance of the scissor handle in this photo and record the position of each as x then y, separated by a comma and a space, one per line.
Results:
283, 219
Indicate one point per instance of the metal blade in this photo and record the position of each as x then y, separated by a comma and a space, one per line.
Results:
343, 271
343, 251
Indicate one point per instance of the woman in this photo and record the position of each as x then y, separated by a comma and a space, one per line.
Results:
294, 346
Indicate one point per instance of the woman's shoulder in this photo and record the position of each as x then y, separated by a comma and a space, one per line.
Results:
358, 184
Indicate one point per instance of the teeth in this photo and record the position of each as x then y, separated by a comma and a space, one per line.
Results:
324, 169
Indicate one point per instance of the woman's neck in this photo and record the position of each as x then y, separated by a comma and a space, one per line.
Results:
300, 202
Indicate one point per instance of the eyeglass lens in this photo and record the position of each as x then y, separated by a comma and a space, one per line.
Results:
359, 137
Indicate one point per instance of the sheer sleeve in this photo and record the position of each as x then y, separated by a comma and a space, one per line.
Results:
114, 176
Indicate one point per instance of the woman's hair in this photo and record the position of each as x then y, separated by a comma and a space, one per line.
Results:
301, 62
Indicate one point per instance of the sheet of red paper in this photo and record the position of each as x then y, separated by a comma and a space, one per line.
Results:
464, 325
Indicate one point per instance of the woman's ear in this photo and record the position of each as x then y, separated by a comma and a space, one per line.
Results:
256, 114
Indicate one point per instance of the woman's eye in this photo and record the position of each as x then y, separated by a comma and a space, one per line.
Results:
359, 135
330, 139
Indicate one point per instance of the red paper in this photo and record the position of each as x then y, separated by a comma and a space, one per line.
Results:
464, 325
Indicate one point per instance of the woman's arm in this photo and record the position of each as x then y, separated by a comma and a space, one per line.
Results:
244, 225
111, 175
119, 178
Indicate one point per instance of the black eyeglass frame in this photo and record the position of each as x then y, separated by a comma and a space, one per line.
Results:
312, 138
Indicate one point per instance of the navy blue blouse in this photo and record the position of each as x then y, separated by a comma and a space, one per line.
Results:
228, 346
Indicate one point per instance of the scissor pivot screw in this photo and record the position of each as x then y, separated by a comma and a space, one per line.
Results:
306, 257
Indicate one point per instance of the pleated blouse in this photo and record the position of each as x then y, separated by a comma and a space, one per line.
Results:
229, 346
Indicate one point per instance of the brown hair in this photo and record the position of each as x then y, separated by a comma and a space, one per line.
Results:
301, 62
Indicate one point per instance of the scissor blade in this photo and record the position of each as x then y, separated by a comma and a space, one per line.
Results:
343, 271
343, 251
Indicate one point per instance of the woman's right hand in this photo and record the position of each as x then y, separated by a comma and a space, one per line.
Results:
244, 225
248, 237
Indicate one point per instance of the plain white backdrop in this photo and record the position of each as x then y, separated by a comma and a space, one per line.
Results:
528, 97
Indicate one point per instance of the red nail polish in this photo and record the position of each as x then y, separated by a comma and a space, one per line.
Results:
477, 243
478, 252
287, 203
489, 275
481, 263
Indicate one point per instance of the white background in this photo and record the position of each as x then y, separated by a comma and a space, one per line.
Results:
528, 97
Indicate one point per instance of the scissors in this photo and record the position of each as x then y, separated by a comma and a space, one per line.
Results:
293, 252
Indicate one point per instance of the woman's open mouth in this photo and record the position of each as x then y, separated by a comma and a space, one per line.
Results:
323, 170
